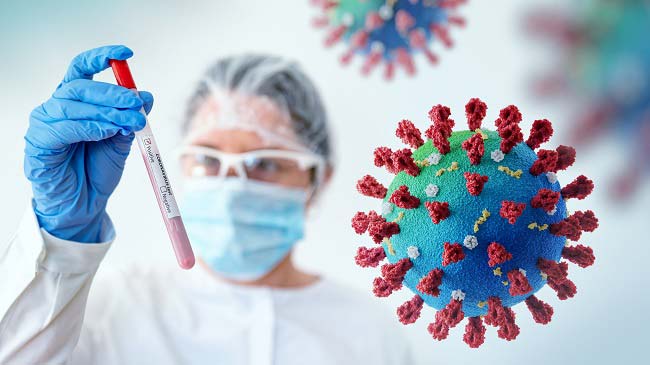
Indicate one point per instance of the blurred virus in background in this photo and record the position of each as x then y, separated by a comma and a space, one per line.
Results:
475, 222
602, 50
388, 31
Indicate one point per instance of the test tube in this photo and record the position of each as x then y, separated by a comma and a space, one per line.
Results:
158, 176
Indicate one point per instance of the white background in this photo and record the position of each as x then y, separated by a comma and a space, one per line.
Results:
174, 41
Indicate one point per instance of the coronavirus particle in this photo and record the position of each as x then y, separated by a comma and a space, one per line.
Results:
475, 222
601, 63
388, 31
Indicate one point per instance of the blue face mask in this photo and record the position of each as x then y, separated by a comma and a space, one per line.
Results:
242, 228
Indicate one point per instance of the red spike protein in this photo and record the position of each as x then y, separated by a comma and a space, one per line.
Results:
474, 222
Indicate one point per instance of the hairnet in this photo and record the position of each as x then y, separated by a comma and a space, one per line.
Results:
278, 85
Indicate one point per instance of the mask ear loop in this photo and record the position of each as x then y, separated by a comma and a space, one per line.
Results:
319, 177
315, 190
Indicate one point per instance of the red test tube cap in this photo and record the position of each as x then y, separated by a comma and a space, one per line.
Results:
122, 73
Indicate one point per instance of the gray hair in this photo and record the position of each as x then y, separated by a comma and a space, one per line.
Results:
283, 82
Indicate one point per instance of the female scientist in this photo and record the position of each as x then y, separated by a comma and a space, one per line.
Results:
256, 153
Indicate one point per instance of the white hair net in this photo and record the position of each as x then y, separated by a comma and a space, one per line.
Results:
222, 100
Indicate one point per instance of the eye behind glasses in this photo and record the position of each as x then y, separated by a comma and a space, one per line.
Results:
262, 165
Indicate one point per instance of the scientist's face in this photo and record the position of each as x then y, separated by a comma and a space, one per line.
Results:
243, 228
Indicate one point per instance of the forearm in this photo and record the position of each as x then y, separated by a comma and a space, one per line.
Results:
43, 312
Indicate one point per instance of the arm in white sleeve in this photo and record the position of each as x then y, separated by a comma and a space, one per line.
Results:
42, 306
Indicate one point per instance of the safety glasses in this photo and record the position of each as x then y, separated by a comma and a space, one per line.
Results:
273, 166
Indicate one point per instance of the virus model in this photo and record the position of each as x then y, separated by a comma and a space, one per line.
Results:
474, 222
603, 67
388, 31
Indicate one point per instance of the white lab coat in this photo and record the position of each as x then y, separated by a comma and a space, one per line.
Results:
171, 316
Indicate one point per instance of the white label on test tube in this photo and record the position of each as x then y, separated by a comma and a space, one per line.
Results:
152, 157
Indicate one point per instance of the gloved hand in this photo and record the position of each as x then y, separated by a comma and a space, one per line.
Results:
76, 146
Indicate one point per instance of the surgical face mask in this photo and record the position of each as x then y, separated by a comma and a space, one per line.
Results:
242, 228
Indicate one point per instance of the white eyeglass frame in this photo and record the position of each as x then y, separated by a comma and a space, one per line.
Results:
305, 160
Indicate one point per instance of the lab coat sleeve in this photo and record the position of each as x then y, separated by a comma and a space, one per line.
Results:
42, 306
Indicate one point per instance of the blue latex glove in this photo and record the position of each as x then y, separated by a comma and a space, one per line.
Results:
76, 146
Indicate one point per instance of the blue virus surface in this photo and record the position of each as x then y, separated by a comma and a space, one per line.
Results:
472, 275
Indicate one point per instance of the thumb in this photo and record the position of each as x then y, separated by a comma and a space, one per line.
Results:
147, 99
